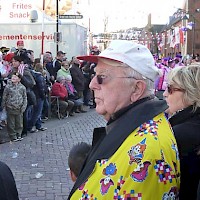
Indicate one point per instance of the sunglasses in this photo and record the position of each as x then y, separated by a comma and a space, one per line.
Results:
171, 89
101, 78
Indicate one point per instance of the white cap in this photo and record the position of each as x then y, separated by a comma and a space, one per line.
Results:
135, 55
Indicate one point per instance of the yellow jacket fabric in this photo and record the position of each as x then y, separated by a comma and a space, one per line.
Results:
144, 167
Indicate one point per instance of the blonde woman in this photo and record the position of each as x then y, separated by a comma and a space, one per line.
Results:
183, 98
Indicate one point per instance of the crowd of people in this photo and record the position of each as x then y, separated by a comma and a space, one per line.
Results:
27, 86
150, 147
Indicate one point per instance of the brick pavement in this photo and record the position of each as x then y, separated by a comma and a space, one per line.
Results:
47, 152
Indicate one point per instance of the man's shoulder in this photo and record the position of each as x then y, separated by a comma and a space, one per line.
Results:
4, 168
28, 71
150, 106
58, 62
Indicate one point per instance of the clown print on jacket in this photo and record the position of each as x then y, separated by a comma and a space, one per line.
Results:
144, 167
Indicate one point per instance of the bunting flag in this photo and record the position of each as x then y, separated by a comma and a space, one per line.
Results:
172, 39
190, 25
177, 35
168, 37
163, 39
181, 36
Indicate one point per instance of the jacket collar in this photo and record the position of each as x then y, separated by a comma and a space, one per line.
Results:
183, 115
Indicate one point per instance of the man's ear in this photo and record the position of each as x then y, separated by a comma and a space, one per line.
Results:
138, 91
73, 176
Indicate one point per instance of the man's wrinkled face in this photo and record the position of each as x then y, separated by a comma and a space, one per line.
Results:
114, 92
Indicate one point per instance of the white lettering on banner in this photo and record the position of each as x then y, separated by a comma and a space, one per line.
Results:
26, 37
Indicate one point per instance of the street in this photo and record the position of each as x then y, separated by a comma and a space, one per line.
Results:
39, 161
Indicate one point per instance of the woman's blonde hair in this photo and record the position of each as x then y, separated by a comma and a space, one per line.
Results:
188, 79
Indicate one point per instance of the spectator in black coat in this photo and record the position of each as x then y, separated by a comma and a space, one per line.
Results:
48, 64
40, 93
8, 189
78, 79
57, 62
85, 66
183, 98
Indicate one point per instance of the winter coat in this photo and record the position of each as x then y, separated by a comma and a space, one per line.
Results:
8, 190
14, 97
27, 79
186, 127
63, 72
60, 90
40, 86
134, 157
56, 66
78, 79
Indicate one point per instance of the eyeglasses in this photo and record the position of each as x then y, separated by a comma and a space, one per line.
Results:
100, 78
171, 89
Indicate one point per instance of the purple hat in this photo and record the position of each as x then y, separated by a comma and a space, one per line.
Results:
178, 56
165, 59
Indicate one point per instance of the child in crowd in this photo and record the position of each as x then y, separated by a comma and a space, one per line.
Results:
77, 156
15, 102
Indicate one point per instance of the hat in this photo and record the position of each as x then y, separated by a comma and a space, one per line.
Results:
20, 43
165, 59
137, 56
9, 57
4, 49
178, 56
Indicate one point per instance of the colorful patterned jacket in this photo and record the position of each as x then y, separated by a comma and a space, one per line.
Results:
135, 157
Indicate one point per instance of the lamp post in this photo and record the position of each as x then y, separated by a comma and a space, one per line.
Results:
57, 23
193, 36
42, 48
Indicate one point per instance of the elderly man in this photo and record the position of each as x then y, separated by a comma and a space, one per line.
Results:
135, 156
